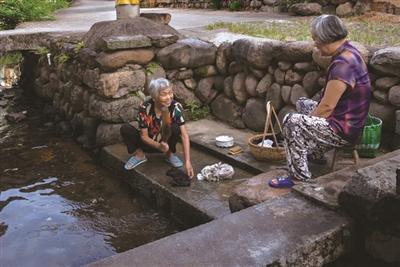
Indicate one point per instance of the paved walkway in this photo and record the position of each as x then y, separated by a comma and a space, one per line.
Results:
84, 13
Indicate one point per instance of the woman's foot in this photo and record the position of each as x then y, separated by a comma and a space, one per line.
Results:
285, 181
174, 160
134, 161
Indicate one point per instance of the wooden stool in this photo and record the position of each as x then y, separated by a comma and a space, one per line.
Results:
356, 158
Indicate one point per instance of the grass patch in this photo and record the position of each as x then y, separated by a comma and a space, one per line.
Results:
13, 12
11, 59
196, 112
362, 31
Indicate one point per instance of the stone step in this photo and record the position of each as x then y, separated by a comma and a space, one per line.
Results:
199, 203
286, 231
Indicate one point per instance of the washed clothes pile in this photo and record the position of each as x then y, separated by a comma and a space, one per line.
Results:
216, 172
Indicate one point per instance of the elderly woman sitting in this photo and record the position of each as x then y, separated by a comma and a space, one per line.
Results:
339, 117
149, 137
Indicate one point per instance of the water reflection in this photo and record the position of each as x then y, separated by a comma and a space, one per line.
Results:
59, 208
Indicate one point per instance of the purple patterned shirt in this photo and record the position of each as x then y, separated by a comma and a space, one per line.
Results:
349, 116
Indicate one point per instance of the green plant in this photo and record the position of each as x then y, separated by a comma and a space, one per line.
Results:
61, 58
13, 12
151, 68
10, 59
197, 112
78, 47
42, 51
216, 4
285, 4
235, 5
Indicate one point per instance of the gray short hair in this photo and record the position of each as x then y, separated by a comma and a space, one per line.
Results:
157, 85
328, 29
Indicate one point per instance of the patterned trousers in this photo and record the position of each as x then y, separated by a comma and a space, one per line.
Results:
307, 137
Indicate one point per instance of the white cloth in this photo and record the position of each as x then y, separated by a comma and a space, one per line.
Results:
216, 172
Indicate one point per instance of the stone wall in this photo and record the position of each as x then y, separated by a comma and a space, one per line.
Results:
95, 91
342, 8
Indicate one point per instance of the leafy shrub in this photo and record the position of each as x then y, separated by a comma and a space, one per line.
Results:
10, 58
235, 5
13, 12
196, 112
216, 4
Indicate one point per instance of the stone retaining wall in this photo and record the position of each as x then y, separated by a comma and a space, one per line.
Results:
342, 8
95, 91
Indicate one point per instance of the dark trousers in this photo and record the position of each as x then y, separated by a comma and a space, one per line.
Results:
133, 141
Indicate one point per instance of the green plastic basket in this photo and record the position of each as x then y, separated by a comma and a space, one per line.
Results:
371, 137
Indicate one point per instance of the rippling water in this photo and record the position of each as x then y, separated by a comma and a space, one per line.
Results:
58, 207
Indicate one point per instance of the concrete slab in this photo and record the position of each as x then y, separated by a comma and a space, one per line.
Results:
327, 188
287, 231
209, 200
202, 135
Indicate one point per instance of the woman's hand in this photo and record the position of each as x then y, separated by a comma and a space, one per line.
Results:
189, 169
163, 147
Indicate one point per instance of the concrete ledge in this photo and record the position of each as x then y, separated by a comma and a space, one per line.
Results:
287, 231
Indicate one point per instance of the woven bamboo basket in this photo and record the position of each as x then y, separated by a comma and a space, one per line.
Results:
267, 153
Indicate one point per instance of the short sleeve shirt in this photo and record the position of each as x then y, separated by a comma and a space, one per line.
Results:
147, 117
349, 116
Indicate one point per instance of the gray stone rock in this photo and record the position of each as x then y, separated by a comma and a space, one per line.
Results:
292, 77
306, 9
222, 58
284, 65
268, 9
206, 71
226, 110
117, 110
297, 51
254, 114
235, 68
384, 112
394, 95
274, 95
271, 70
397, 130
184, 95
239, 89
257, 54
367, 195
286, 91
387, 60
254, 191
228, 87
91, 77
251, 85
185, 74
88, 56
118, 84
386, 83
310, 82
118, 59
269, 2
111, 43
344, 10
255, 4
297, 92
322, 81
264, 85
361, 8
163, 40
257, 73
303, 67
77, 101
381, 97
190, 53
279, 76
205, 90
108, 134
190, 84
219, 83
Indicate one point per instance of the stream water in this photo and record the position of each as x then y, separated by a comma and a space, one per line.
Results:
58, 207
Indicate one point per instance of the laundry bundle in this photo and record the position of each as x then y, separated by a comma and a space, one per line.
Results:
216, 172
